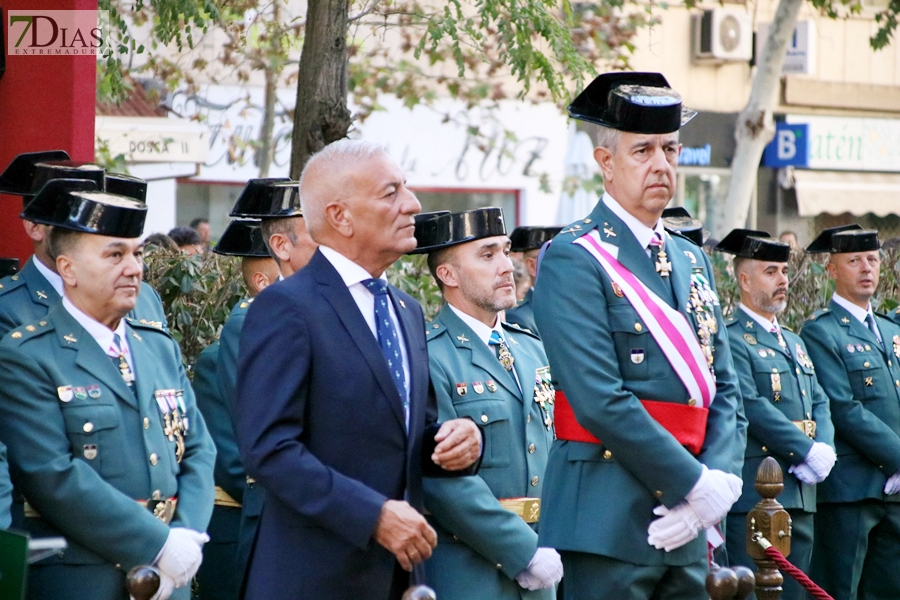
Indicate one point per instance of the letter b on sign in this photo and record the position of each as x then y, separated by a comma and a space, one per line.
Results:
789, 146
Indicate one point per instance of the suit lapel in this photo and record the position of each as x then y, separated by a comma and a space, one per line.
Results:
525, 369
763, 337
143, 365
335, 292
40, 290
415, 349
480, 353
90, 356
681, 273
631, 255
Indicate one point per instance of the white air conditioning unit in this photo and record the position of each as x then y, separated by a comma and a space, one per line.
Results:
722, 35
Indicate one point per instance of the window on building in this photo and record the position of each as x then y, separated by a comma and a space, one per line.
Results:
461, 200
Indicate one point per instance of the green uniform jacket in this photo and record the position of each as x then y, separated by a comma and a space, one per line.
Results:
599, 499
27, 296
757, 357
82, 455
863, 382
523, 314
482, 546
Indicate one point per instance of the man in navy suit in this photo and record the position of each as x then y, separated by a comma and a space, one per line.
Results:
334, 406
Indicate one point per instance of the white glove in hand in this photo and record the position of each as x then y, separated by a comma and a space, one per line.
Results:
676, 528
713, 494
182, 554
166, 587
821, 459
543, 572
893, 484
804, 473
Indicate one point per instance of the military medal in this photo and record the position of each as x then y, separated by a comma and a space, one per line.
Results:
850, 348
803, 358
65, 393
701, 306
663, 266
505, 356
478, 387
762, 353
462, 388
776, 387
617, 290
544, 394
80, 393
748, 337
491, 385
637, 356
897, 346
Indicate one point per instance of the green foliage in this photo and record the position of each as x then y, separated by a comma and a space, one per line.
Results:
411, 275
198, 293
810, 287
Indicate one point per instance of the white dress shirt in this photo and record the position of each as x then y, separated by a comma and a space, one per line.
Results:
856, 311
763, 322
353, 276
643, 234
102, 334
51, 276
481, 330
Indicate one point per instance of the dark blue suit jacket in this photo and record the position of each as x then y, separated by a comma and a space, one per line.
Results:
321, 427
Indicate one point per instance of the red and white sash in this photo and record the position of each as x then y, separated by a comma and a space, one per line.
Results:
668, 327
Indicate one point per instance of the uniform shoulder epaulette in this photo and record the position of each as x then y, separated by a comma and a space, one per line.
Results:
433, 329
9, 283
24, 333
819, 313
787, 328
515, 327
576, 229
730, 319
680, 235
144, 323
881, 314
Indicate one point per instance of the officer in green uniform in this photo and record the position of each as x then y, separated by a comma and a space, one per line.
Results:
787, 409
220, 575
647, 405
28, 295
528, 241
275, 202
857, 358
105, 440
496, 374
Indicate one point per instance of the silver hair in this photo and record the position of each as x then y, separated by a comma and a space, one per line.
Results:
608, 138
335, 156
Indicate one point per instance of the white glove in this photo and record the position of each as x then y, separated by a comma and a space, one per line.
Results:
804, 473
676, 528
821, 459
713, 494
166, 587
182, 554
893, 484
543, 572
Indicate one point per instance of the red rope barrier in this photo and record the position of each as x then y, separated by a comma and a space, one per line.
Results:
797, 574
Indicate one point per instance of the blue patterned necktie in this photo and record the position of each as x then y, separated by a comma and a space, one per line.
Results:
118, 359
388, 338
870, 323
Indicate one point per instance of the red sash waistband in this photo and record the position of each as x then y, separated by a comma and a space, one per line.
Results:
687, 424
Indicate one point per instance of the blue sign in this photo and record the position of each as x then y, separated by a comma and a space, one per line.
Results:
700, 157
789, 147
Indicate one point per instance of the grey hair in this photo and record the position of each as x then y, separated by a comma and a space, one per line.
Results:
335, 157
608, 138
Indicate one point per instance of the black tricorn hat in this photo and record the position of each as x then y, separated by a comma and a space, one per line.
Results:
678, 219
19, 175
634, 102
66, 169
126, 185
432, 230
61, 204
271, 198
845, 238
531, 238
469, 226
242, 237
756, 245
8, 266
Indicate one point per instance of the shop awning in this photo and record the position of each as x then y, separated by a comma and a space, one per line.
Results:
837, 192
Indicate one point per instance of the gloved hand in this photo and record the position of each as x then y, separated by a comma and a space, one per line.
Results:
182, 554
676, 528
166, 587
821, 459
713, 494
543, 572
893, 484
804, 473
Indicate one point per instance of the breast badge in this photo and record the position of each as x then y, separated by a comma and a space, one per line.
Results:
65, 393
544, 394
462, 389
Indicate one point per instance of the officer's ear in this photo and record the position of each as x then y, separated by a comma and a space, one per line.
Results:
258, 282
280, 245
66, 269
604, 158
831, 268
447, 274
339, 218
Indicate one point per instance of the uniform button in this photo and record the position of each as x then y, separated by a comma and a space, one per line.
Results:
154, 459
118, 566
528, 419
484, 418
531, 449
889, 363
790, 453
88, 427
455, 538
146, 423
534, 481
764, 449
866, 364
658, 493
638, 327
897, 382
691, 402
157, 495
499, 566
802, 392
797, 370
607, 454
774, 370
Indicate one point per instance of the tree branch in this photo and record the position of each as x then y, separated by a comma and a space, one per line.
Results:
364, 12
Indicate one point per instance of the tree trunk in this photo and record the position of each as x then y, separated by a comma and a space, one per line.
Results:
266, 143
755, 127
320, 114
